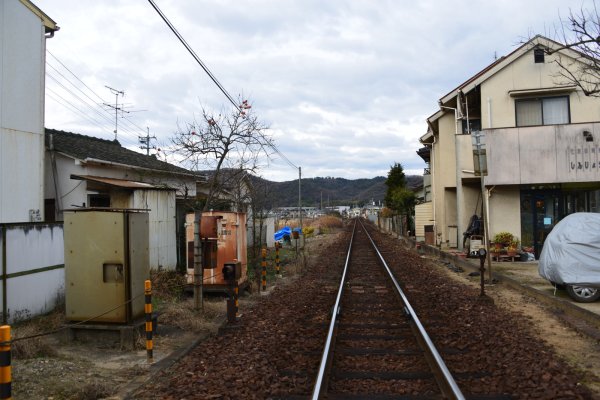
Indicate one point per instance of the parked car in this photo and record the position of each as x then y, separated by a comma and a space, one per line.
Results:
571, 256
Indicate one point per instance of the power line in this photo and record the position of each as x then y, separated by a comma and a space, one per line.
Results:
69, 105
103, 113
212, 76
127, 125
53, 95
191, 51
76, 77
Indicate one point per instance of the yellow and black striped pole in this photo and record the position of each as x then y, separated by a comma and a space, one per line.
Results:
148, 311
5, 366
277, 258
264, 269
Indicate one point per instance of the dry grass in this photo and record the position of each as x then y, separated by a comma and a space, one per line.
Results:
184, 316
326, 222
167, 285
27, 346
96, 390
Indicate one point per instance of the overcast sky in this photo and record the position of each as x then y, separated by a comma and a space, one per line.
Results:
344, 85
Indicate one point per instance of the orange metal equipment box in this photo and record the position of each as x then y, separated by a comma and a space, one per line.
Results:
223, 240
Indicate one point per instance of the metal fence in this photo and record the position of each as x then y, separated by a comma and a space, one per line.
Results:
32, 269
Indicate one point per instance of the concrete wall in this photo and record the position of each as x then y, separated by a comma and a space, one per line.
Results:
543, 154
22, 74
34, 269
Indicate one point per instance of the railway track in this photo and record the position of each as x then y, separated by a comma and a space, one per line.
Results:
376, 346
275, 350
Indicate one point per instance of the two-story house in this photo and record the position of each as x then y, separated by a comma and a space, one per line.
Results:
24, 29
541, 137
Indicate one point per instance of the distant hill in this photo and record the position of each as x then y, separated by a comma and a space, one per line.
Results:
332, 191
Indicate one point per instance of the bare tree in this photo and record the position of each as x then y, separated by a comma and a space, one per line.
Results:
232, 141
580, 32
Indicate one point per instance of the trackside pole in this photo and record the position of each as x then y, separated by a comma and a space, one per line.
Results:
264, 269
5, 363
277, 270
148, 311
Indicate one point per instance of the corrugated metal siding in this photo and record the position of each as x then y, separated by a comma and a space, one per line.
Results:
423, 216
21, 119
163, 247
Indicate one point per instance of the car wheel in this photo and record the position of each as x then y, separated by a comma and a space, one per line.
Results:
583, 294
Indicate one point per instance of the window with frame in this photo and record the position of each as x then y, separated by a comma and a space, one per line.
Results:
542, 111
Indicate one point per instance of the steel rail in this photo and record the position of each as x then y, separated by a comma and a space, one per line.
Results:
334, 318
448, 385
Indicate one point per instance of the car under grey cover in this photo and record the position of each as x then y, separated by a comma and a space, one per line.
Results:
571, 252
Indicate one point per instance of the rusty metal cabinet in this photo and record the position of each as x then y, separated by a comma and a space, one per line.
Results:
106, 264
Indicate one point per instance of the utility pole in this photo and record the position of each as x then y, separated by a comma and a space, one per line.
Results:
116, 106
478, 142
321, 200
300, 200
145, 141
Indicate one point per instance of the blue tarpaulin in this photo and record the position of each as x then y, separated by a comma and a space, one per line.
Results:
286, 230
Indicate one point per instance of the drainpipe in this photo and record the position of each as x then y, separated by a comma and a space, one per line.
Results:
489, 106
459, 189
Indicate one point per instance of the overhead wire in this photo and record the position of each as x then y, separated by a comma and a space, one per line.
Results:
51, 93
212, 76
126, 129
126, 126
76, 77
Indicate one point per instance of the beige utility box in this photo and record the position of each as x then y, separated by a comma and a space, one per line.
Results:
106, 264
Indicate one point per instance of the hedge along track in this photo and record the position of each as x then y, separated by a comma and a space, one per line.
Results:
376, 347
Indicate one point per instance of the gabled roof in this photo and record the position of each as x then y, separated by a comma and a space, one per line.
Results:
49, 24
94, 150
497, 66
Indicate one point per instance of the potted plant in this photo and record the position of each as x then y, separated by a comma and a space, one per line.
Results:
513, 247
503, 238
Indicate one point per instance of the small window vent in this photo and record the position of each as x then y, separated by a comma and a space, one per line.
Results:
538, 55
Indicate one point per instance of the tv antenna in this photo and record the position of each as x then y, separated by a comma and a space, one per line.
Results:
116, 106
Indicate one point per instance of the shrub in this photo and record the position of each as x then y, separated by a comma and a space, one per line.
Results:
504, 238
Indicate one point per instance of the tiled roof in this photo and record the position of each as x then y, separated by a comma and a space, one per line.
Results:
87, 147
